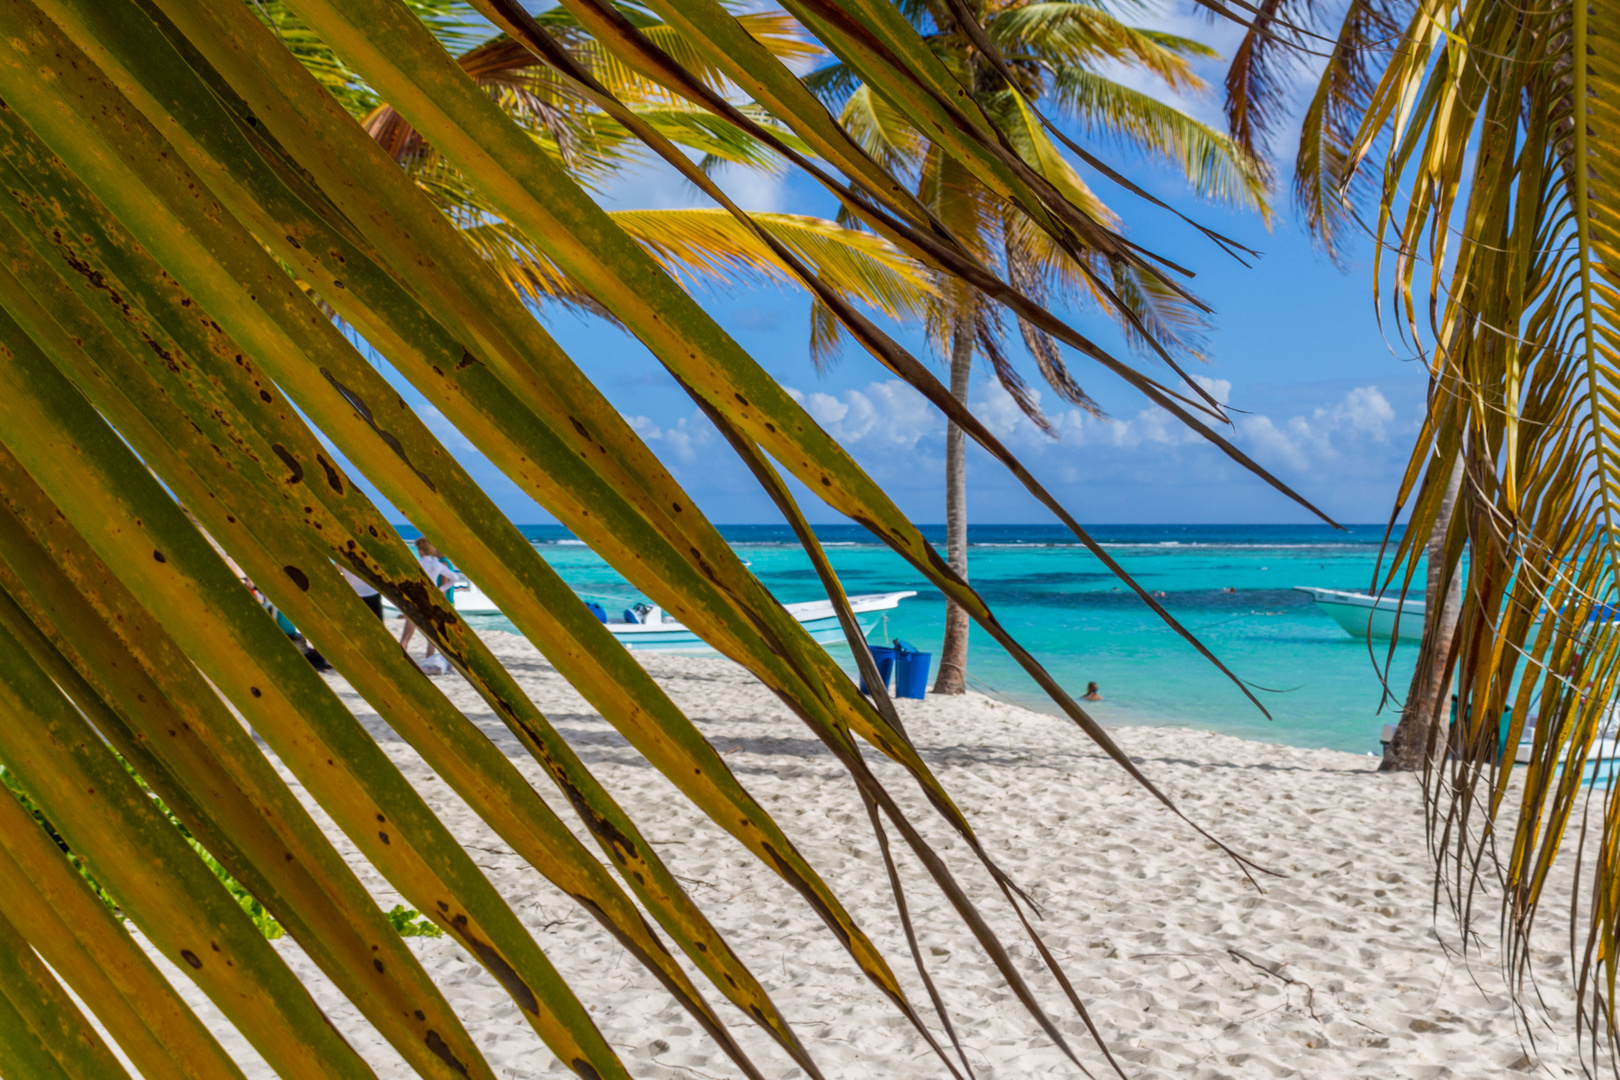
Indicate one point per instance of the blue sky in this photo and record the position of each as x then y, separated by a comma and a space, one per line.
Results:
1325, 401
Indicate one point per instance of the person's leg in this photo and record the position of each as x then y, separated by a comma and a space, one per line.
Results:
405, 638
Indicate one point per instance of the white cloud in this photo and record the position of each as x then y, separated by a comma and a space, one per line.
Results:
891, 415
657, 186
681, 440
887, 414
1329, 433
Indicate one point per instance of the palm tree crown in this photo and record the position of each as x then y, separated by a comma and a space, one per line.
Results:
1058, 53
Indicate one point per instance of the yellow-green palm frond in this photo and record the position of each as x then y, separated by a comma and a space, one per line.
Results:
317, 57
778, 32
1062, 34
1214, 165
711, 248
720, 141
712, 245
1026, 134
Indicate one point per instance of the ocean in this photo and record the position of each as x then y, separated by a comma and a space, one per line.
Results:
1231, 585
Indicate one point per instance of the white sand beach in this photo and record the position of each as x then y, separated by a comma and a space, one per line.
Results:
1335, 970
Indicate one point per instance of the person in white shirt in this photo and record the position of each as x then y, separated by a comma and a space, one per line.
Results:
438, 572
364, 590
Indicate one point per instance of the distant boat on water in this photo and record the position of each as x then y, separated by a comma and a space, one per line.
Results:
646, 628
1364, 616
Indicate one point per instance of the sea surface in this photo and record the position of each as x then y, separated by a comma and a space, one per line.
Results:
1231, 585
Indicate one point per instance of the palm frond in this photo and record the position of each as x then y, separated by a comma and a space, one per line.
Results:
175, 155
1257, 79
1323, 169
881, 130
1214, 164
1490, 133
1063, 35
833, 83
709, 247
317, 57
529, 92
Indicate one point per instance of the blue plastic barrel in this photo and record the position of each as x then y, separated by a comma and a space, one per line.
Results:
883, 656
910, 670
598, 610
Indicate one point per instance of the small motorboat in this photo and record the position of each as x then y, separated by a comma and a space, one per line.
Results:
656, 631
647, 628
1362, 615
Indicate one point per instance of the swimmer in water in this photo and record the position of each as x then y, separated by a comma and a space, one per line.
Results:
1092, 693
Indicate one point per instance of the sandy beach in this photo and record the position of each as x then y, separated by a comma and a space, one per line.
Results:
1336, 970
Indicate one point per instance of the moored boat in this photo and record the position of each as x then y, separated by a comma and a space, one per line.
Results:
646, 628
1362, 615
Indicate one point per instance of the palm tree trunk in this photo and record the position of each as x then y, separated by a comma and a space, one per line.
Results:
1426, 697
953, 653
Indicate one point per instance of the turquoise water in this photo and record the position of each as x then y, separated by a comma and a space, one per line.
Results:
1068, 609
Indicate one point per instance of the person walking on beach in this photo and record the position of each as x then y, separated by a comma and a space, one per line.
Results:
438, 571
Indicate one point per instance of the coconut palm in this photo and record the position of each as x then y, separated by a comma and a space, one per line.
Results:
183, 201
1063, 54
1475, 144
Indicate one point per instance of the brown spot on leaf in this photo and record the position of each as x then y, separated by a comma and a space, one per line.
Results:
333, 480
288, 460
191, 958
442, 1051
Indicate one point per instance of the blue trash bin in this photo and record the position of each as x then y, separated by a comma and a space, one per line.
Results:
883, 656
910, 670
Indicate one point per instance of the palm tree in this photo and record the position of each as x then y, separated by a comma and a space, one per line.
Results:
182, 203
1057, 52
1475, 144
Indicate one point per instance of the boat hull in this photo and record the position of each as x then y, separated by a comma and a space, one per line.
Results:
679, 639
816, 616
1364, 616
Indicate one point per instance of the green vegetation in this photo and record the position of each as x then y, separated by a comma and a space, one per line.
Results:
407, 922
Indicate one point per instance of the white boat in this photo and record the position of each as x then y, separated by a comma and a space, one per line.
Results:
648, 629
1362, 615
